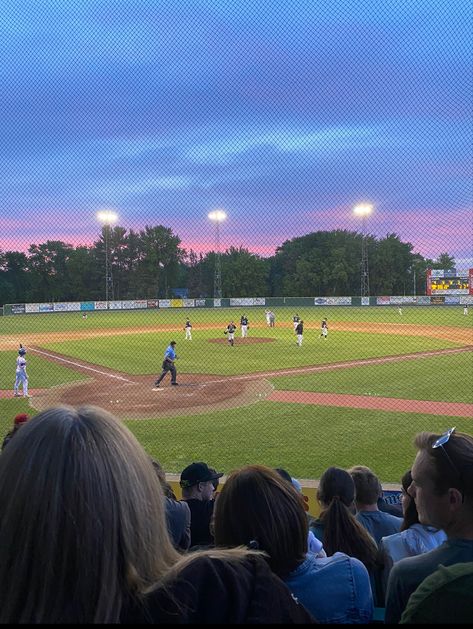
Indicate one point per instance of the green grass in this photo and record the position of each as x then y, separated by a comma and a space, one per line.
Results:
41, 373
56, 322
304, 439
443, 378
142, 353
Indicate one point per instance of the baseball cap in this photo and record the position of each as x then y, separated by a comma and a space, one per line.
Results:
21, 418
197, 473
172, 343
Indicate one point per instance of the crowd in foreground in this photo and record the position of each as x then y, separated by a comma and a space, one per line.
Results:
92, 533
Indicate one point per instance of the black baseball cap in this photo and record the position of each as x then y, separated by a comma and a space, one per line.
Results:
197, 473
172, 343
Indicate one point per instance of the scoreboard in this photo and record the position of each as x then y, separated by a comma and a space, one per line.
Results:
449, 282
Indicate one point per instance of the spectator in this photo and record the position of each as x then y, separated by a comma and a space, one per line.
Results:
367, 492
314, 545
442, 488
84, 537
197, 490
414, 539
258, 508
178, 515
339, 530
18, 422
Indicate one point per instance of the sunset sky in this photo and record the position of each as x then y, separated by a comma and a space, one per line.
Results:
286, 113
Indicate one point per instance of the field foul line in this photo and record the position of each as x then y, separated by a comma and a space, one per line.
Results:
354, 363
71, 362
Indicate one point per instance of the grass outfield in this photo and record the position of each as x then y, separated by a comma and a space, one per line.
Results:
303, 438
442, 378
142, 353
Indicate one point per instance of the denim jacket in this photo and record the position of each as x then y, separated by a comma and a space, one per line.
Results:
334, 589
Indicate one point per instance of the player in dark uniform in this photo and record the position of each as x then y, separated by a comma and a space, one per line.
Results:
300, 332
244, 326
295, 320
230, 331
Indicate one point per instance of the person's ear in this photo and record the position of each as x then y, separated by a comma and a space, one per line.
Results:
455, 497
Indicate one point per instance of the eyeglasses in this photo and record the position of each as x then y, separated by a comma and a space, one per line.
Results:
440, 443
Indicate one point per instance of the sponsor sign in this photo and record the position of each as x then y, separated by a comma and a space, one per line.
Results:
217, 303
32, 308
437, 299
128, 304
152, 303
383, 301
188, 303
466, 299
397, 300
87, 305
200, 303
100, 305
140, 303
18, 308
260, 301
46, 307
423, 300
452, 299
115, 305
164, 303
332, 301
242, 301
365, 301
176, 303
70, 306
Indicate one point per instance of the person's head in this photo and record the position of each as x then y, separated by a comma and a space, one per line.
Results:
21, 351
20, 419
215, 480
342, 531
161, 474
367, 486
442, 480
409, 509
260, 509
82, 519
336, 484
172, 343
197, 481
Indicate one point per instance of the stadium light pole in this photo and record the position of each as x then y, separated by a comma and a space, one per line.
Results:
217, 217
363, 210
107, 218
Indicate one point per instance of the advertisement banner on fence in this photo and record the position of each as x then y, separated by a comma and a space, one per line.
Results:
127, 304
217, 303
437, 299
71, 306
403, 299
452, 300
87, 305
140, 304
164, 303
46, 307
100, 305
176, 303
200, 303
152, 303
383, 301
332, 301
365, 301
423, 300
32, 307
18, 309
242, 301
115, 305
466, 299
188, 303
259, 301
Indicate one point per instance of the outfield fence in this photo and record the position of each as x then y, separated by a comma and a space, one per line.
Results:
230, 302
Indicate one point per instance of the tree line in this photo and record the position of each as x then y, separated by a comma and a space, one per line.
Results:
152, 264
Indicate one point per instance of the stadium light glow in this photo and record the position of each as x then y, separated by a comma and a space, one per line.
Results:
363, 209
217, 215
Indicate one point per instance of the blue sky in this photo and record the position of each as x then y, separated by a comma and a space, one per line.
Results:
284, 113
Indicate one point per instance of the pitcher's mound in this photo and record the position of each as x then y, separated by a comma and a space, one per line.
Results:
249, 340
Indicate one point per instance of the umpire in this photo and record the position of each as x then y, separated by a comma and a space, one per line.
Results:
168, 365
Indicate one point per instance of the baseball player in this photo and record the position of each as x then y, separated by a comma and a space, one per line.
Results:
295, 320
465, 310
399, 310
244, 326
324, 328
168, 365
267, 315
300, 331
188, 329
230, 331
84, 315
272, 319
21, 375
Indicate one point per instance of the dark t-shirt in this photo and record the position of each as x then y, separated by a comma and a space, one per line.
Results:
218, 591
201, 514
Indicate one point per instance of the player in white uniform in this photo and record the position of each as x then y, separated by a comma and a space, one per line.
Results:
188, 329
267, 314
21, 375
465, 309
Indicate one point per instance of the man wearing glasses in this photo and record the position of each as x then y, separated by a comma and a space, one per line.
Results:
442, 488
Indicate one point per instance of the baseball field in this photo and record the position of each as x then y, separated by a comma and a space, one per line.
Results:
357, 397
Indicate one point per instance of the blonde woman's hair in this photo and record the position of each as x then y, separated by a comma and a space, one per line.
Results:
82, 522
